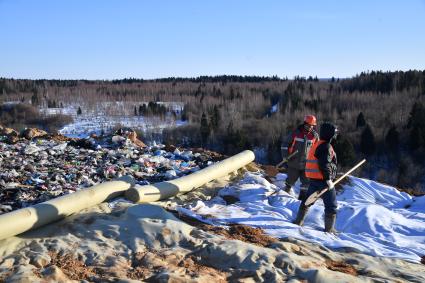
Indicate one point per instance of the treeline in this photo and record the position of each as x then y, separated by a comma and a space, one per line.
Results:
386, 82
379, 114
31, 85
20, 116
150, 109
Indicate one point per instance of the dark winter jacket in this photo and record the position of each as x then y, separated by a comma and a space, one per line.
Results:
302, 141
327, 160
325, 154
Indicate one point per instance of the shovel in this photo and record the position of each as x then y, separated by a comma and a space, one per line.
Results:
317, 194
286, 159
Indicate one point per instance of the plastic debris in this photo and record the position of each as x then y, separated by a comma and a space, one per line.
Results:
41, 167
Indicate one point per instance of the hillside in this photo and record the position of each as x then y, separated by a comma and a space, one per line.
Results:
379, 114
231, 229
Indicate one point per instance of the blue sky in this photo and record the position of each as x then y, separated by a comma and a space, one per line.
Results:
95, 39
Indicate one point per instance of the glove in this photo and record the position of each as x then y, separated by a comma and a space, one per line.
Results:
330, 184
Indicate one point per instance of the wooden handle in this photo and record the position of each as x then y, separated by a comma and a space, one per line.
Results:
315, 196
286, 159
349, 171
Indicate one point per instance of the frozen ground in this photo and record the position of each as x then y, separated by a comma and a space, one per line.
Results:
98, 124
372, 218
105, 116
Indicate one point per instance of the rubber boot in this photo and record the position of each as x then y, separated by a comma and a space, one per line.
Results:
302, 212
330, 220
303, 194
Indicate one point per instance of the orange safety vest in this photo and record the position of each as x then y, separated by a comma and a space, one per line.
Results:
312, 169
298, 136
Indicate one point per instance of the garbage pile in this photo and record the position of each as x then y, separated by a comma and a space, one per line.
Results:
36, 166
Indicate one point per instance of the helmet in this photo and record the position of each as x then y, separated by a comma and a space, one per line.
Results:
328, 131
310, 119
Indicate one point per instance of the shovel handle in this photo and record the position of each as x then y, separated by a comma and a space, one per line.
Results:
315, 196
286, 159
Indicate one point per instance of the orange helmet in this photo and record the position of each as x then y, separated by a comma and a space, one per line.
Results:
310, 119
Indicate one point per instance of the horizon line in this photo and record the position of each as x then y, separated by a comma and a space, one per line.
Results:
216, 76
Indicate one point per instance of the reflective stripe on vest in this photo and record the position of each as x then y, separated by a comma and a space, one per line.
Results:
301, 137
312, 169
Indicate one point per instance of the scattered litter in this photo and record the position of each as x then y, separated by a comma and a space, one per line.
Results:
37, 167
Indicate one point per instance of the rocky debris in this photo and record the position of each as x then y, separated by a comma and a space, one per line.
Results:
8, 132
60, 138
31, 133
215, 156
39, 167
8, 135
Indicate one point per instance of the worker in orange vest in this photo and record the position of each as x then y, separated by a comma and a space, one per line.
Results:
301, 140
321, 169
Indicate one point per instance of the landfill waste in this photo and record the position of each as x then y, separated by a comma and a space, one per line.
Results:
37, 166
131, 135
30, 133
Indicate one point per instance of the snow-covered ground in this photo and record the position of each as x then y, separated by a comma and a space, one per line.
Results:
85, 125
105, 116
372, 218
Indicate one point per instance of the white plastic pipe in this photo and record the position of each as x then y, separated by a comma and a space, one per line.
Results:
25, 219
163, 190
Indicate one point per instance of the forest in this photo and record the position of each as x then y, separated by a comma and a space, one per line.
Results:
380, 115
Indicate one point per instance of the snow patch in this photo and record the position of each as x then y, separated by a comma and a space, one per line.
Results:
372, 218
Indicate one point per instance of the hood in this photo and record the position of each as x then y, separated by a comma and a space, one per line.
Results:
327, 131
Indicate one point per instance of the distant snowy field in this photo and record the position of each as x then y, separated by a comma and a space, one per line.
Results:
105, 116
372, 218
